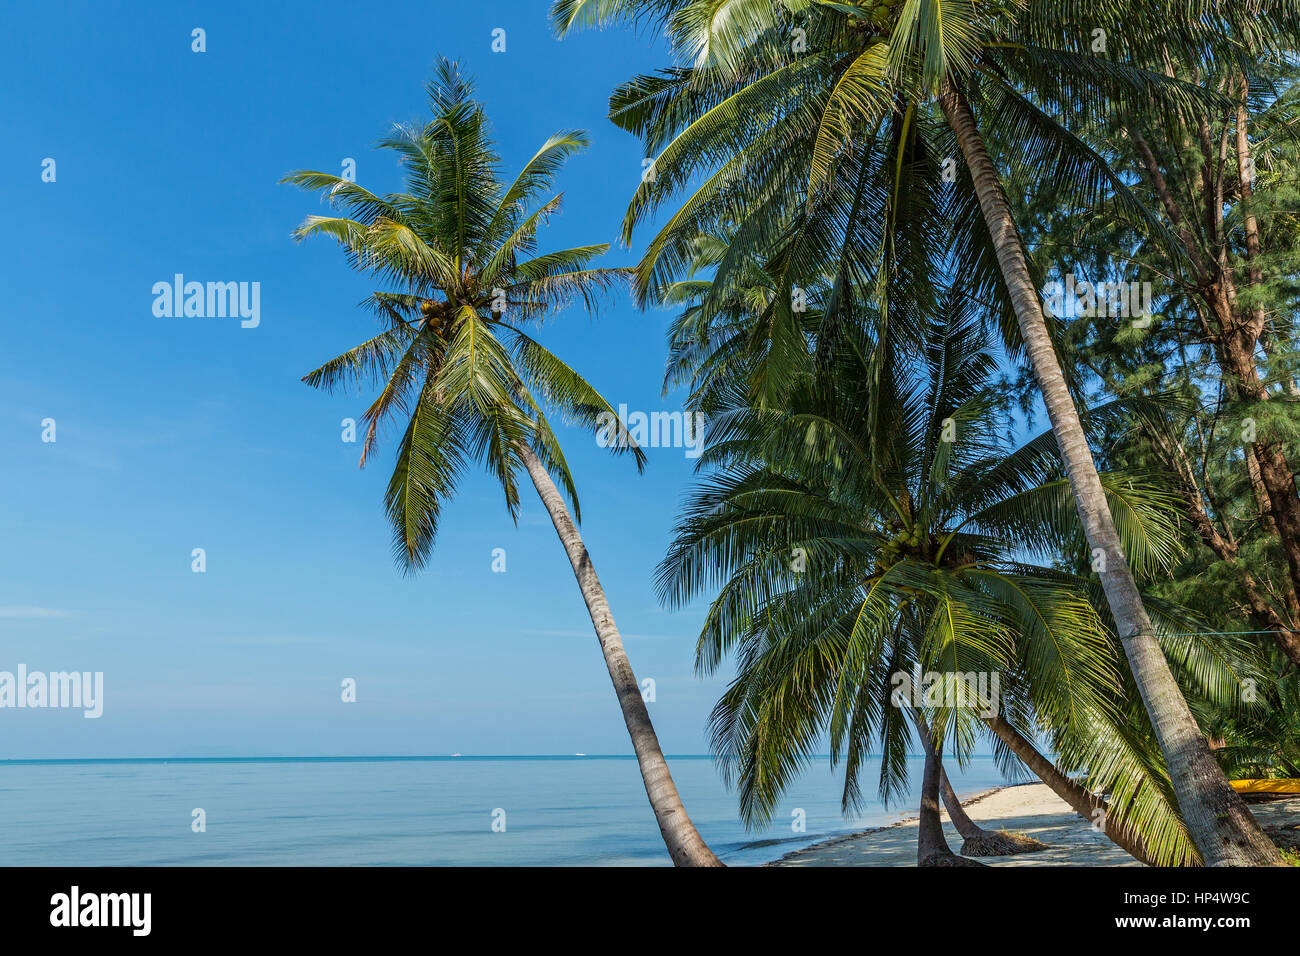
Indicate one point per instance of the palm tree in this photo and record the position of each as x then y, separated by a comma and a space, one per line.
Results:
458, 251
863, 532
784, 97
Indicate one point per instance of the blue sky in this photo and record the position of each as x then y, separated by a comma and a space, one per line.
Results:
181, 433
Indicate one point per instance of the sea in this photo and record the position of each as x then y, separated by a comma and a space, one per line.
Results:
573, 810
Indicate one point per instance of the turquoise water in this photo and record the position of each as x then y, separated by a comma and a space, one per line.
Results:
398, 811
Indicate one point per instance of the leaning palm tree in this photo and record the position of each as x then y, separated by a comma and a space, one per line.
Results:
458, 252
774, 106
860, 533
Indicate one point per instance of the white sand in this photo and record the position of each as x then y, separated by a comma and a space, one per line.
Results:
1031, 809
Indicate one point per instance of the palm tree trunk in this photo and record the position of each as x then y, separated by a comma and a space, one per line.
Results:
1219, 823
685, 845
968, 828
1083, 801
976, 841
931, 845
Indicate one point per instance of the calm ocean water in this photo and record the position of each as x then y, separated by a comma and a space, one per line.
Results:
398, 811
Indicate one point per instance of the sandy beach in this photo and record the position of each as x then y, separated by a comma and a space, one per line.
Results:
1030, 808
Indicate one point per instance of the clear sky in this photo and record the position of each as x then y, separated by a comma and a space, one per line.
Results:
181, 433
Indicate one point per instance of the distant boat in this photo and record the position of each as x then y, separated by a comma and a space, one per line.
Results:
580, 755
455, 755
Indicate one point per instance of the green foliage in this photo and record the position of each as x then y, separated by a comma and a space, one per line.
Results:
819, 214
878, 523
1263, 741
458, 254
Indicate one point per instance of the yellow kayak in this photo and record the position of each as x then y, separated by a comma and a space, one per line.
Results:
1278, 785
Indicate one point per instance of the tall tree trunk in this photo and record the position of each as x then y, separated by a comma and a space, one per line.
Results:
1217, 819
1238, 332
1246, 182
931, 845
685, 845
1270, 471
1262, 613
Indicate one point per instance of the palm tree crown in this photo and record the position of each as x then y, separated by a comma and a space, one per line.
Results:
458, 252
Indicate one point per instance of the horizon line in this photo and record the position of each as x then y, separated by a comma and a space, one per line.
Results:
360, 758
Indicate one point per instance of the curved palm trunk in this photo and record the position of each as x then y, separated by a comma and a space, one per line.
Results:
1217, 819
1081, 800
976, 841
968, 828
685, 845
931, 845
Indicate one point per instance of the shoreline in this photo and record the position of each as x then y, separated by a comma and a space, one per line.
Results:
1030, 809
905, 821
